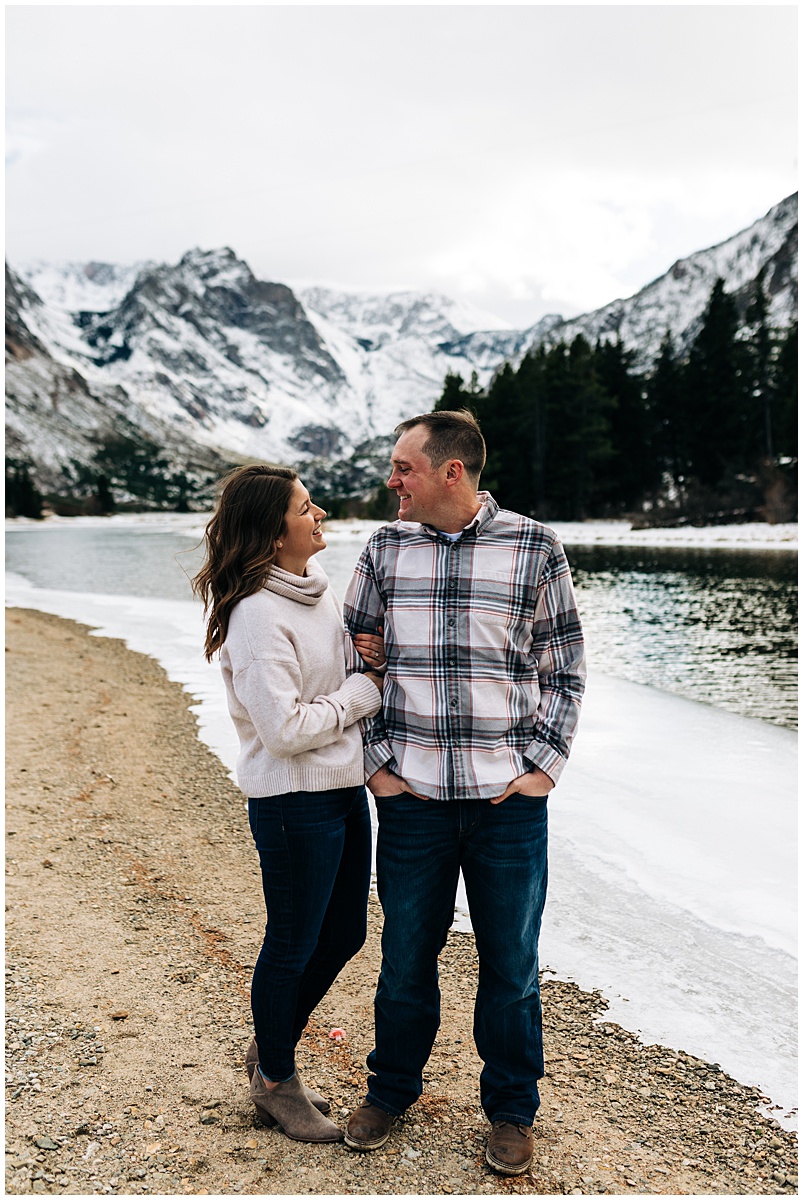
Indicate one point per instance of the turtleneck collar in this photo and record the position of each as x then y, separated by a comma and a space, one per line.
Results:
306, 589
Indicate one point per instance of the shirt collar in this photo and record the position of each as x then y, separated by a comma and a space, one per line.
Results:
487, 513
488, 510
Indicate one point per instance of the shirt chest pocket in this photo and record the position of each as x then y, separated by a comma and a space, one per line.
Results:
500, 614
494, 597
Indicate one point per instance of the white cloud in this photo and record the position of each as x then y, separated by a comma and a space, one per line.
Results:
27, 136
561, 237
572, 242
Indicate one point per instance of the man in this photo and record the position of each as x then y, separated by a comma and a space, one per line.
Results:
485, 673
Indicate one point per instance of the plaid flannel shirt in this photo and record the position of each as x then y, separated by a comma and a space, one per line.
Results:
484, 649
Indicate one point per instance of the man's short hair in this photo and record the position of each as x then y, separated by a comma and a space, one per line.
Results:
453, 433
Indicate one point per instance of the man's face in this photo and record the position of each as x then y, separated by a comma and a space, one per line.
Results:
420, 488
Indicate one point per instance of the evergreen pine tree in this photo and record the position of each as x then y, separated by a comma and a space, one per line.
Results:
504, 422
632, 470
454, 395
534, 427
785, 389
579, 447
103, 493
717, 389
666, 399
760, 355
23, 498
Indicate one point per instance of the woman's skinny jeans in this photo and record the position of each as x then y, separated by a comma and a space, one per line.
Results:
315, 855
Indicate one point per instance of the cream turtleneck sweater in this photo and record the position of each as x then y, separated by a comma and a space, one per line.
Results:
294, 710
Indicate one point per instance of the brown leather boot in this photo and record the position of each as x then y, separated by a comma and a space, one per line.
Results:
251, 1060
510, 1148
368, 1127
287, 1106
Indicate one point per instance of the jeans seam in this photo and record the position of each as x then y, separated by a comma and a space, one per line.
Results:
253, 806
290, 876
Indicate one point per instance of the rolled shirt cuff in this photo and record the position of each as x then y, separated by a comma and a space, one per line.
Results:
541, 754
377, 756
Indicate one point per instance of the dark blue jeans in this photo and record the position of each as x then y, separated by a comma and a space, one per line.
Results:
502, 850
315, 854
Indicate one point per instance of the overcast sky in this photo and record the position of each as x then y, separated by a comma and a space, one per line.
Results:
527, 159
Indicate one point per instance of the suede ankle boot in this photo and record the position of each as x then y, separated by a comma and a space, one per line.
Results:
251, 1062
287, 1105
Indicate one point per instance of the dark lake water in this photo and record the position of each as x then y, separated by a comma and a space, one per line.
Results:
713, 625
719, 626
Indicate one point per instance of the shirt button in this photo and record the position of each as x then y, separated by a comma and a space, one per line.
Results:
451, 623
452, 583
453, 703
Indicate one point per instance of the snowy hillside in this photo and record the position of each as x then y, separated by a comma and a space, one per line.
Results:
234, 362
77, 287
57, 416
376, 318
204, 358
676, 301
397, 347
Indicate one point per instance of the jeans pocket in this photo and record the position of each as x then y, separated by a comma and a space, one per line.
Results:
392, 796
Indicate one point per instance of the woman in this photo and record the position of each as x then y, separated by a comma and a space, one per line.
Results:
279, 630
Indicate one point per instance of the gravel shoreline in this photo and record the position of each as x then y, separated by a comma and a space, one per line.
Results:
134, 914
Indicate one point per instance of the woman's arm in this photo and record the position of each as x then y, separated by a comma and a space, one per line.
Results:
270, 692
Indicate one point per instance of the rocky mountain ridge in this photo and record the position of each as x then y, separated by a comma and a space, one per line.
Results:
211, 364
58, 419
676, 301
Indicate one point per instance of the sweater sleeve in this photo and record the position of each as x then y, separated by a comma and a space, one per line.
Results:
270, 691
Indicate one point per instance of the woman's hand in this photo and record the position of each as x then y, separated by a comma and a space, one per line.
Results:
533, 783
371, 648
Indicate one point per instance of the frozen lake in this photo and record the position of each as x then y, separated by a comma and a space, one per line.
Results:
713, 622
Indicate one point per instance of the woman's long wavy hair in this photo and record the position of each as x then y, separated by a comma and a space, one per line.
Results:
241, 543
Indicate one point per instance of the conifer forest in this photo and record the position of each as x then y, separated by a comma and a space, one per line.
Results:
576, 431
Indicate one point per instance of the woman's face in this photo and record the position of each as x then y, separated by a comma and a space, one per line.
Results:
302, 535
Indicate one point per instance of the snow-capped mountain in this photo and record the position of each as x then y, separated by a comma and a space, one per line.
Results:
396, 347
233, 363
57, 418
203, 358
376, 318
676, 301
82, 287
